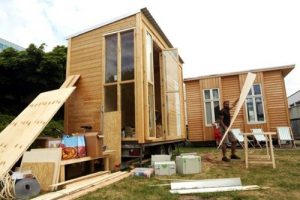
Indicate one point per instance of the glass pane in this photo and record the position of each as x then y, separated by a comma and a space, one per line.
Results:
173, 114
259, 109
128, 109
111, 98
127, 55
207, 94
250, 110
171, 70
250, 92
256, 89
215, 93
149, 57
111, 57
216, 110
151, 110
208, 113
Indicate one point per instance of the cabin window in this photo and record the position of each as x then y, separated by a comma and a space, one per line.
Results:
255, 105
111, 100
127, 55
111, 58
211, 104
119, 86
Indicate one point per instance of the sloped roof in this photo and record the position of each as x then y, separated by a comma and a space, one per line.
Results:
147, 14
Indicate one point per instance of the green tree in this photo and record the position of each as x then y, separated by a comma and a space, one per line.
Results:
25, 74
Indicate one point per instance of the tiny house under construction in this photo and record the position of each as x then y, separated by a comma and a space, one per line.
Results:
130, 85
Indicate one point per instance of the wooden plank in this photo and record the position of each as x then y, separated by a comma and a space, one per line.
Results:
112, 135
26, 127
96, 187
80, 178
248, 84
43, 172
95, 184
70, 81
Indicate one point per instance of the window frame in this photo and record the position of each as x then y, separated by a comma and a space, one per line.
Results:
211, 100
253, 97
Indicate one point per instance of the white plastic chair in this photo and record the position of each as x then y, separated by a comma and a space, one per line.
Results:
285, 134
240, 138
259, 136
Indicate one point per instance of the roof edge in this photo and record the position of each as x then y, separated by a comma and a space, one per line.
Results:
286, 69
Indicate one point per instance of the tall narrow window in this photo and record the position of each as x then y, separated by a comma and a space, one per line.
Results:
150, 80
254, 104
127, 52
211, 104
111, 58
128, 109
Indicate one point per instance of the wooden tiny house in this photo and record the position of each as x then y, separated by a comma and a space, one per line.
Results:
265, 107
130, 85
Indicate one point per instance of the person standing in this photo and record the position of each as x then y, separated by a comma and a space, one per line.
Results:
225, 119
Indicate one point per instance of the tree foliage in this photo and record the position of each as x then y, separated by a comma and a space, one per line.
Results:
25, 74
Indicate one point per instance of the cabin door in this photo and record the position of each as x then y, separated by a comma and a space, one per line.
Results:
170, 94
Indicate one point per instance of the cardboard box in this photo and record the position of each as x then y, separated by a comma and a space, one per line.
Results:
188, 164
94, 144
158, 158
46, 142
165, 168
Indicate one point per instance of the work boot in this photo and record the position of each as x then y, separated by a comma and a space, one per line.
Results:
225, 159
234, 157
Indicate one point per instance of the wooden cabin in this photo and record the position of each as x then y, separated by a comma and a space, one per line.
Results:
130, 86
266, 105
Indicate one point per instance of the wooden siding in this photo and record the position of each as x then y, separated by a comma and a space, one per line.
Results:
276, 100
230, 92
210, 83
194, 112
85, 58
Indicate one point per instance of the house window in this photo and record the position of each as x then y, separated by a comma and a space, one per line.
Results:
211, 104
255, 105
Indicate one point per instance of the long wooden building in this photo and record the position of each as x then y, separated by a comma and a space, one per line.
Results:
130, 86
266, 105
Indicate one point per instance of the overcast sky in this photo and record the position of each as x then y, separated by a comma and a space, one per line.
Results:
213, 36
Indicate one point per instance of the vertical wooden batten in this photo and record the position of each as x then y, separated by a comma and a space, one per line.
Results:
139, 79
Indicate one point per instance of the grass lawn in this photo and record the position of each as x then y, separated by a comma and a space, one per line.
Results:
284, 181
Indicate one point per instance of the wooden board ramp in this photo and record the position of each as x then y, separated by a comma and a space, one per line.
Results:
82, 188
26, 127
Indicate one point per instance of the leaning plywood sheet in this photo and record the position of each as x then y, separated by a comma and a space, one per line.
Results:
25, 128
43, 172
37, 158
70, 81
244, 92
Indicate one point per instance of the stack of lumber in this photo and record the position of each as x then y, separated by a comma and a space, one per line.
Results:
80, 188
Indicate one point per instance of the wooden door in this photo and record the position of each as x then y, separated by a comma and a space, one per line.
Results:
171, 94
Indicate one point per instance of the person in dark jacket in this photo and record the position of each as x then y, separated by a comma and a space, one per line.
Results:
225, 119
